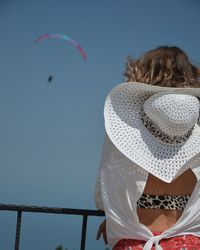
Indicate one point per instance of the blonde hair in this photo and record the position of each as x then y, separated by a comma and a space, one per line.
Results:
164, 66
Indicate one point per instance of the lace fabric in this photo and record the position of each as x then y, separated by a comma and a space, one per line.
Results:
183, 242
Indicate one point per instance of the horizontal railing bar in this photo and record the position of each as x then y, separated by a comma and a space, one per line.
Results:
51, 210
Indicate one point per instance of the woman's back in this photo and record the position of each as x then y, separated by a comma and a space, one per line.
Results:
161, 219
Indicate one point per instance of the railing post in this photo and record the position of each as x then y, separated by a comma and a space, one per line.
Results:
83, 234
18, 228
51, 210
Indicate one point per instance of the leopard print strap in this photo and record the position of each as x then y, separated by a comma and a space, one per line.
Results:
159, 134
177, 202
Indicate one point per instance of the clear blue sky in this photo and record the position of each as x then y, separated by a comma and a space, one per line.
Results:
51, 135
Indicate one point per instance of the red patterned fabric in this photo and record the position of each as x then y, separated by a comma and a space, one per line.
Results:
184, 242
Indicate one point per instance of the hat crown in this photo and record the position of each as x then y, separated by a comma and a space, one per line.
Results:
173, 114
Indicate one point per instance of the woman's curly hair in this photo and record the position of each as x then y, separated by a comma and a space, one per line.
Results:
164, 66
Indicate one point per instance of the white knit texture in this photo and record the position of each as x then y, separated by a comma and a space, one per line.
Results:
173, 114
126, 130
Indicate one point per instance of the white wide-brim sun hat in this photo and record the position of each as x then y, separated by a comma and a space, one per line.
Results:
155, 127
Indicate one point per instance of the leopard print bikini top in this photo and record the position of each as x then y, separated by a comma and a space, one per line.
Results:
177, 202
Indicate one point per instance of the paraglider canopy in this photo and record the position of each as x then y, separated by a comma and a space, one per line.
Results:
67, 38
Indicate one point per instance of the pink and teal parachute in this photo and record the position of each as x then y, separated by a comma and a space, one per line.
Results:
67, 38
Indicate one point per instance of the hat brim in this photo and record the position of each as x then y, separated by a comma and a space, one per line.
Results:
128, 133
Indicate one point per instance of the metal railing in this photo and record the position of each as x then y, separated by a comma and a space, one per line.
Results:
52, 210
